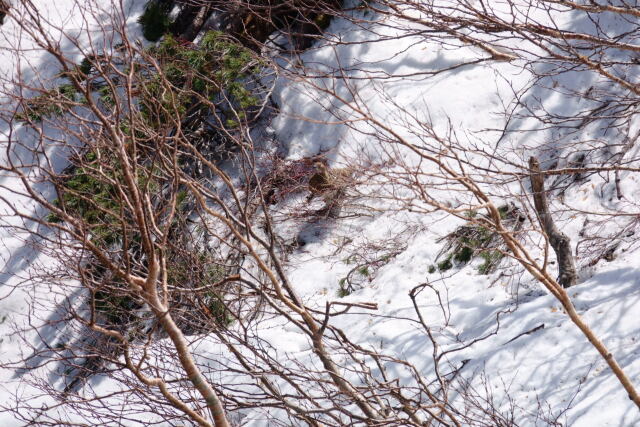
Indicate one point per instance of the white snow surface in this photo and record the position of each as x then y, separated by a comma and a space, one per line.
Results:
554, 367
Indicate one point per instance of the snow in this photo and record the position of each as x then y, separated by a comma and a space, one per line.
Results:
553, 366
23, 300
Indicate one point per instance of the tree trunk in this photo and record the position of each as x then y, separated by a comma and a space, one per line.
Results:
559, 241
193, 26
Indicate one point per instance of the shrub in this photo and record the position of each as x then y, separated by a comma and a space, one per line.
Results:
217, 71
445, 264
491, 259
155, 20
49, 104
343, 288
85, 66
217, 309
38, 108
91, 198
463, 255
473, 240
106, 97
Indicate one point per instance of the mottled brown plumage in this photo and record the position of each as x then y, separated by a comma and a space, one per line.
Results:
320, 181
329, 184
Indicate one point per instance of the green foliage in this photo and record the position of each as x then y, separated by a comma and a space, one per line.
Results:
343, 288
36, 111
364, 270
68, 91
365, 265
196, 270
504, 211
116, 306
463, 255
432, 269
466, 242
472, 213
159, 105
167, 48
38, 108
126, 129
85, 66
445, 264
474, 240
231, 124
106, 96
155, 20
217, 309
217, 70
48, 104
491, 259
92, 199
181, 198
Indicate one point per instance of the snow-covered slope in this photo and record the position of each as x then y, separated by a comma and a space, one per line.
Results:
528, 358
534, 358
24, 301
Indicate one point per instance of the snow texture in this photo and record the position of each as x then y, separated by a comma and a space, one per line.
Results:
553, 366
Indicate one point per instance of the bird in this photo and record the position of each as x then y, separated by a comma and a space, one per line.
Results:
330, 185
320, 181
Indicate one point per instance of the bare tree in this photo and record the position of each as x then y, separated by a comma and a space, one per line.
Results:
557, 42
160, 225
455, 169
157, 195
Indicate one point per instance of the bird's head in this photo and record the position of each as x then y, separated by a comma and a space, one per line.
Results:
319, 166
